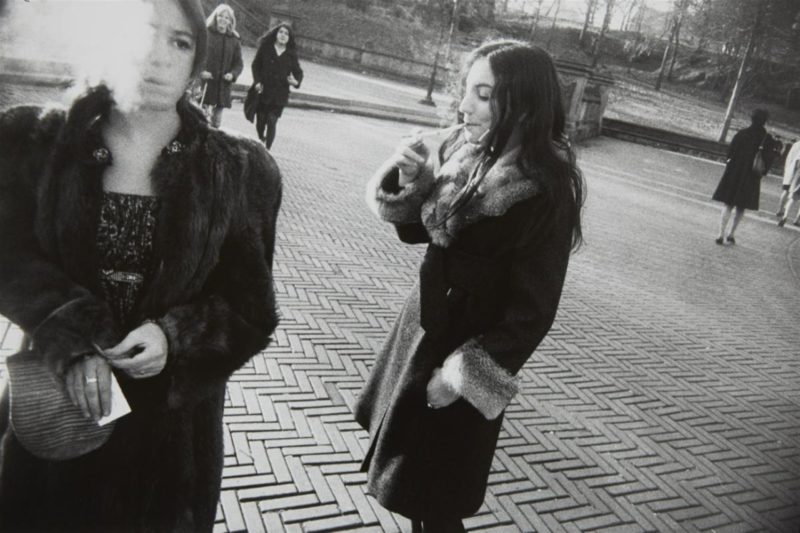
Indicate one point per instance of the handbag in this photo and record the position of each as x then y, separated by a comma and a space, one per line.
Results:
760, 161
43, 418
251, 103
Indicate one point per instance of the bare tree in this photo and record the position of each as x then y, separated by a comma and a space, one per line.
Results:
627, 14
598, 44
737, 87
536, 15
591, 6
682, 5
557, 4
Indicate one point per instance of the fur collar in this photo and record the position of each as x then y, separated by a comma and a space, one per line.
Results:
197, 178
504, 185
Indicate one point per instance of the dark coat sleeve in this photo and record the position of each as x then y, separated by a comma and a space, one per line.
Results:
237, 64
735, 146
257, 66
482, 369
213, 336
62, 317
297, 72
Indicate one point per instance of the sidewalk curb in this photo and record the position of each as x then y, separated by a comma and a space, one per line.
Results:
304, 100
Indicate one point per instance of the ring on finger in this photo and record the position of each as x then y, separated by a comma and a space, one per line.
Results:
91, 380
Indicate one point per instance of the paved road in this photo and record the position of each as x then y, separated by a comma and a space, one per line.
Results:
664, 399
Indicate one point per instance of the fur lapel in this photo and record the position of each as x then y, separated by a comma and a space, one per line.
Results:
503, 186
196, 191
197, 182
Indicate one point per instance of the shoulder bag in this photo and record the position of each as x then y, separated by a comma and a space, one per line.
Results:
760, 161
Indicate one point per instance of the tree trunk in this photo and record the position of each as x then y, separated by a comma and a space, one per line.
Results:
737, 87
453, 18
589, 17
660, 78
640, 19
628, 17
553, 26
677, 37
535, 23
598, 45
675, 49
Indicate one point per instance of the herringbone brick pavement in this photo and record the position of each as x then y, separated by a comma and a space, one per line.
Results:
666, 397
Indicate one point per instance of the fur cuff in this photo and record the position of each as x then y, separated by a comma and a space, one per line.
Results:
392, 203
472, 372
69, 331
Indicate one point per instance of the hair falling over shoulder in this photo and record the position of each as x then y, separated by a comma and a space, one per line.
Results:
527, 98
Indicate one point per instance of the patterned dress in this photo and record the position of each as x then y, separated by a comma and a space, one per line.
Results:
125, 241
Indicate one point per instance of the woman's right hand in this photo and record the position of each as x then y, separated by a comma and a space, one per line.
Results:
88, 383
206, 75
259, 88
409, 160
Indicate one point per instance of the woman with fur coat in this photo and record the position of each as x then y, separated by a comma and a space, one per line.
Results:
498, 206
136, 243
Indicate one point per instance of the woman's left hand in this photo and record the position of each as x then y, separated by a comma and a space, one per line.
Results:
142, 354
293, 81
228, 77
439, 393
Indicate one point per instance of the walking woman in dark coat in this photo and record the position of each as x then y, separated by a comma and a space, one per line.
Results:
498, 206
223, 62
275, 68
144, 232
740, 187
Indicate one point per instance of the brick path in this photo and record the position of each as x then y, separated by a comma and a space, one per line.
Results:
664, 399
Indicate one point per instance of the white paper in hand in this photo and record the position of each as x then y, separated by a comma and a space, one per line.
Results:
119, 404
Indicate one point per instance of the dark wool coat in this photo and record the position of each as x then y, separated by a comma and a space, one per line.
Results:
739, 186
212, 292
224, 56
272, 71
488, 292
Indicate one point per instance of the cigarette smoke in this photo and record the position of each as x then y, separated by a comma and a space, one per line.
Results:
99, 41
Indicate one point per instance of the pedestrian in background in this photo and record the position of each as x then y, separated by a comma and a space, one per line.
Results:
790, 189
275, 68
223, 62
740, 185
135, 242
498, 205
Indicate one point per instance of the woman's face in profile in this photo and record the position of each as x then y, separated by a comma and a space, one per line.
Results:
224, 21
476, 104
168, 67
282, 37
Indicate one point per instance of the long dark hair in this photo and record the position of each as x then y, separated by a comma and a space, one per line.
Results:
269, 38
193, 9
527, 96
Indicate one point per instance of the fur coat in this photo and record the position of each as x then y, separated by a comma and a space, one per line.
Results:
212, 294
488, 291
